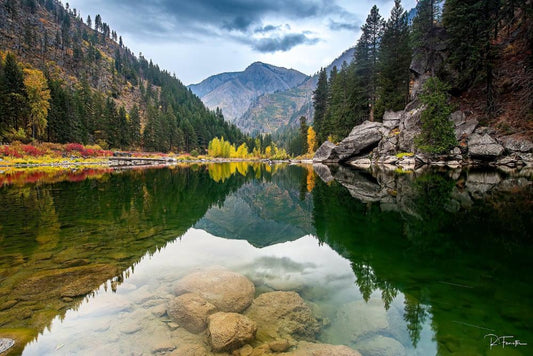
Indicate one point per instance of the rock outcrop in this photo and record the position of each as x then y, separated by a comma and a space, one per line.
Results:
229, 331
227, 290
324, 152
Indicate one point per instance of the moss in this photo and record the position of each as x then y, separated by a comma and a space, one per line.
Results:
404, 154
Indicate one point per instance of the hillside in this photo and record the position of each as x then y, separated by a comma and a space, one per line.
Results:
234, 92
99, 92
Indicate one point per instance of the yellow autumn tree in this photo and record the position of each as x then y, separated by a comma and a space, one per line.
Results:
38, 100
311, 140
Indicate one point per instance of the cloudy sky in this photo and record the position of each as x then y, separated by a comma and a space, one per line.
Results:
198, 38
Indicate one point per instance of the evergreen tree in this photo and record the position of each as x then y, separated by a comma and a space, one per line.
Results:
303, 134
394, 61
437, 135
14, 97
135, 125
320, 100
366, 61
471, 26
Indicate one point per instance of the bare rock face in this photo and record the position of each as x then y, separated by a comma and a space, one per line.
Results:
191, 311
484, 146
409, 129
283, 314
391, 119
226, 290
229, 331
324, 152
362, 138
463, 127
308, 348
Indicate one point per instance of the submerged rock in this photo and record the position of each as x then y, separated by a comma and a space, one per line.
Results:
308, 348
381, 346
229, 331
191, 311
283, 314
227, 290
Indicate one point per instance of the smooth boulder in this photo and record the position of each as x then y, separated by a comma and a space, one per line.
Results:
227, 290
190, 311
308, 348
229, 331
283, 314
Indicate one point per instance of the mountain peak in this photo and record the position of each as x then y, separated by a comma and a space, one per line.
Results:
235, 92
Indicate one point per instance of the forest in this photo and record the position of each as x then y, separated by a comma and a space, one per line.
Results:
66, 79
477, 52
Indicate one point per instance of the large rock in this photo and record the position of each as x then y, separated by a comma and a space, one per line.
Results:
283, 314
363, 137
484, 146
227, 290
229, 331
308, 348
516, 143
324, 152
191, 311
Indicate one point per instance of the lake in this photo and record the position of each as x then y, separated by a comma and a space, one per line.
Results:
386, 263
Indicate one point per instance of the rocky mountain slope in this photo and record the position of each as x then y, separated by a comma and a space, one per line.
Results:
263, 98
270, 112
234, 92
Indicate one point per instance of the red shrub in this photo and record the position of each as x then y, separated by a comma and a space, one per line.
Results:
71, 147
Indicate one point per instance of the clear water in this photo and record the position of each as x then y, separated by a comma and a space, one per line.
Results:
392, 264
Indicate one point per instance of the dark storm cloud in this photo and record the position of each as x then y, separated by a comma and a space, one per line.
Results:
283, 44
193, 20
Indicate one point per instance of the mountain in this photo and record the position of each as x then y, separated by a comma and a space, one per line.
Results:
234, 92
98, 91
270, 112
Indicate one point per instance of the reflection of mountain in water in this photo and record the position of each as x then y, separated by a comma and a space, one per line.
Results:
261, 213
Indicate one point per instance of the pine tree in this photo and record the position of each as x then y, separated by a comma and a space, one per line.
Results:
364, 94
394, 61
437, 135
303, 134
471, 26
320, 100
135, 125
14, 98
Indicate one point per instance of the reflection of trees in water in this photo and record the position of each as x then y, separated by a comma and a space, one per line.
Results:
424, 234
415, 315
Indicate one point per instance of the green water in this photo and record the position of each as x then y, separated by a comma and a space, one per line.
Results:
392, 264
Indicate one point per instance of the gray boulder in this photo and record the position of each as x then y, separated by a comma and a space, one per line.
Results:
363, 137
517, 144
484, 146
463, 127
324, 152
